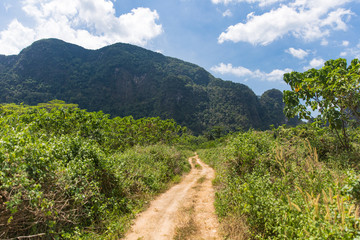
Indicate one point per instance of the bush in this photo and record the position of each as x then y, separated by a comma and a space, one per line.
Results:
68, 173
281, 189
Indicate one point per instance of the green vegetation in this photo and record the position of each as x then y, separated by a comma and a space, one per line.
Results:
69, 173
66, 173
124, 80
277, 185
333, 90
301, 182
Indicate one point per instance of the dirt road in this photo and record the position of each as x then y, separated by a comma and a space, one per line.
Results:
185, 211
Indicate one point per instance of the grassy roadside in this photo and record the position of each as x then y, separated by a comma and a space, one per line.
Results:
295, 184
145, 172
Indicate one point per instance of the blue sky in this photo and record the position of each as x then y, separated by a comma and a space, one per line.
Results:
253, 42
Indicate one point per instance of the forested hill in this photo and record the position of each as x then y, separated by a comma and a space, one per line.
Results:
123, 80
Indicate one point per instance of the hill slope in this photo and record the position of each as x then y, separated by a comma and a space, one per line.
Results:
123, 79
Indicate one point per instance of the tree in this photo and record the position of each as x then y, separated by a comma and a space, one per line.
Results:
333, 90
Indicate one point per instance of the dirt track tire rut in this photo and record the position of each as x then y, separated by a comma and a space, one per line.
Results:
187, 204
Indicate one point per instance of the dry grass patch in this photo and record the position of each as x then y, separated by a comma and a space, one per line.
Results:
187, 226
235, 228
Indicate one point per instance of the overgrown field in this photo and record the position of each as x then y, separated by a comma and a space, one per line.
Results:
66, 173
69, 173
296, 183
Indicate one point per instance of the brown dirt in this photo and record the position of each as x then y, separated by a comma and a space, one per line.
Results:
185, 211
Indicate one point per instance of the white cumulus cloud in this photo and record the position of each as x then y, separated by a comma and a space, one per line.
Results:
223, 68
345, 43
315, 63
89, 23
7, 6
227, 13
260, 2
274, 76
305, 19
324, 42
298, 53
15, 37
352, 52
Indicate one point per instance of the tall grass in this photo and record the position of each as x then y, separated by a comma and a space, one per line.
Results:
280, 189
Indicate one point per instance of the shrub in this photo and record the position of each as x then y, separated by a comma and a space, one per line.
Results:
281, 189
67, 173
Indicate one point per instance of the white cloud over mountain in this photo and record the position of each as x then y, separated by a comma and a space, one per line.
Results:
274, 76
305, 19
89, 23
15, 37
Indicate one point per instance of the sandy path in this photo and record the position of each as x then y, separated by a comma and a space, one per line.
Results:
185, 211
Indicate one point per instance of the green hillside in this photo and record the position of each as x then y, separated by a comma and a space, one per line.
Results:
124, 80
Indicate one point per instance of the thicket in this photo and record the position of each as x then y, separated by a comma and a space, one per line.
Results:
288, 183
69, 173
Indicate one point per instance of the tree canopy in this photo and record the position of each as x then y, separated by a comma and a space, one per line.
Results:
333, 90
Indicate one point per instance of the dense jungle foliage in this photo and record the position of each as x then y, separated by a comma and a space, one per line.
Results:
288, 183
124, 80
69, 173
